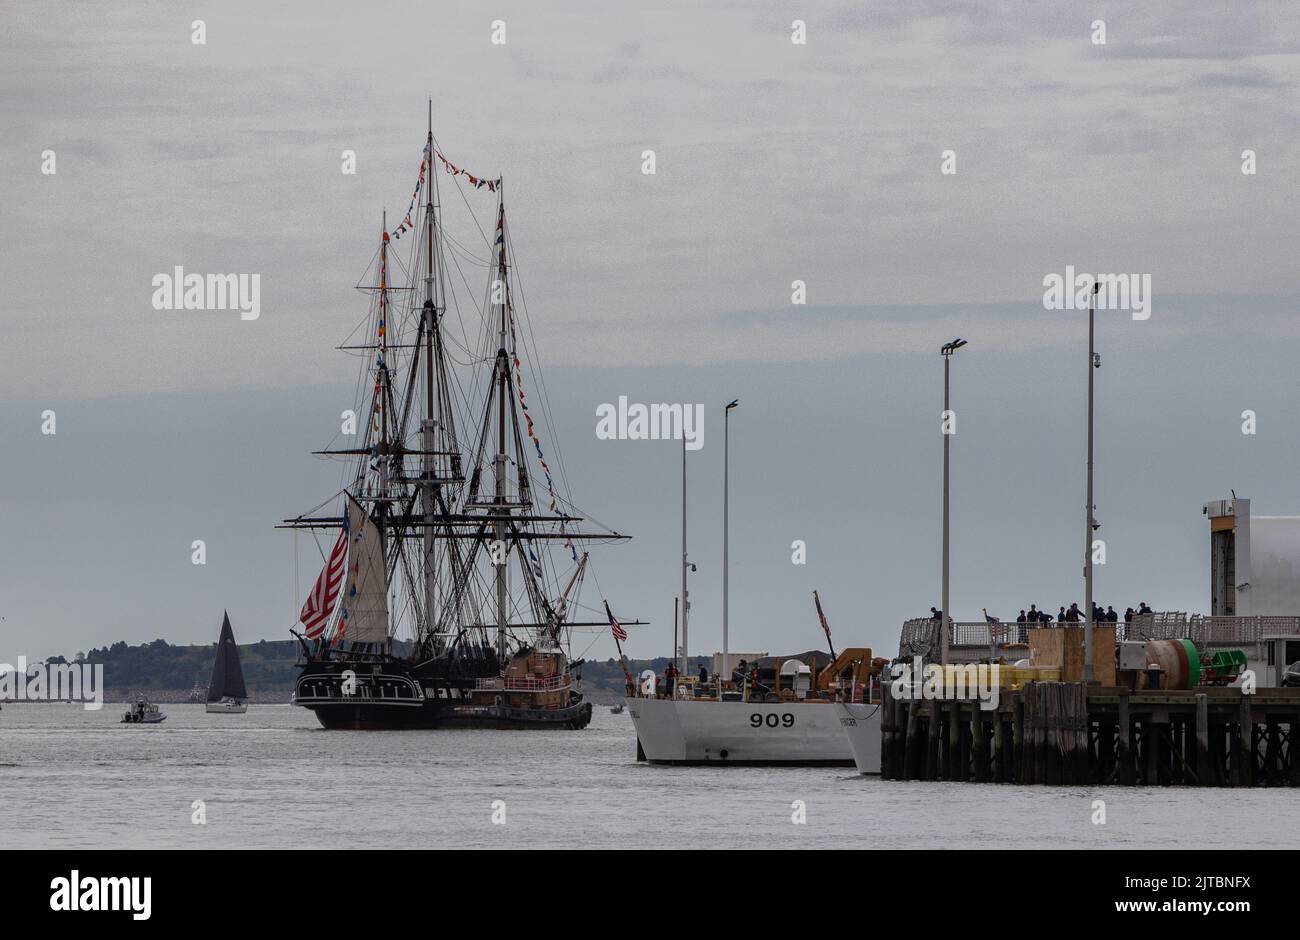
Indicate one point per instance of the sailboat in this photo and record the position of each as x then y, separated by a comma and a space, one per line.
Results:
452, 590
226, 692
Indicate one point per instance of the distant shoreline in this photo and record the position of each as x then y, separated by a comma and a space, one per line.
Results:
166, 674
596, 695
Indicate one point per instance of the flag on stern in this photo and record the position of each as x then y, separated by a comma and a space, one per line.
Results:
320, 603
619, 633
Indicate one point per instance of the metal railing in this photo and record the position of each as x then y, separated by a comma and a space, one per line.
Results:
525, 684
920, 636
691, 689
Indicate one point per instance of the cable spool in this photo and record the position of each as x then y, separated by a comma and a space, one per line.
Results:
1178, 660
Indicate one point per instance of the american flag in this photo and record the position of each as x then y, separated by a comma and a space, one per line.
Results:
821, 616
320, 603
619, 633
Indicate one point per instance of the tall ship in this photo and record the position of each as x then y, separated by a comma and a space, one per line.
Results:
226, 692
453, 587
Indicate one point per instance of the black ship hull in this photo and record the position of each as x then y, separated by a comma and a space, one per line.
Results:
380, 717
394, 696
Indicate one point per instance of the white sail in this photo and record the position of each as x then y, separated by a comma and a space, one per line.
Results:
364, 605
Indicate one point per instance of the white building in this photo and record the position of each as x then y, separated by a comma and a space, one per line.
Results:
1254, 561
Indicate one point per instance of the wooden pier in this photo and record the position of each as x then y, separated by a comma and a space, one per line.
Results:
1073, 734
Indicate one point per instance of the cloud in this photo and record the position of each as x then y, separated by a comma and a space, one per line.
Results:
776, 162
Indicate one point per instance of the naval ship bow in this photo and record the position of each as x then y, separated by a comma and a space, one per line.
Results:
451, 594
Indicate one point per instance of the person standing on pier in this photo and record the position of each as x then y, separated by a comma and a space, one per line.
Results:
1111, 616
1072, 615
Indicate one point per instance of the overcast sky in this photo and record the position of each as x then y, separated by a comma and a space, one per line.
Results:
775, 162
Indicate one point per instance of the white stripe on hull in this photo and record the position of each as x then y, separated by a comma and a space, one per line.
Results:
709, 732
861, 728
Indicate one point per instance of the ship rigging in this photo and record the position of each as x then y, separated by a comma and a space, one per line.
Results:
456, 532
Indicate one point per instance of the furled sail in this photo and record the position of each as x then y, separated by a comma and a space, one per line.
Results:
227, 674
364, 615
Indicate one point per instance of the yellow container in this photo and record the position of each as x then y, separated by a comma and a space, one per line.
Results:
1015, 677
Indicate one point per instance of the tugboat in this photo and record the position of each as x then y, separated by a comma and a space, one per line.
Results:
451, 524
143, 713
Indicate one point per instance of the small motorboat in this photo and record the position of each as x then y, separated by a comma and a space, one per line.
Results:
616, 709
143, 713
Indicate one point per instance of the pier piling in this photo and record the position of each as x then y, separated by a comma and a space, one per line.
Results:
932, 740
1073, 734
1204, 772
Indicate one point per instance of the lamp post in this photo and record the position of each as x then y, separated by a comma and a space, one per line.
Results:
946, 350
1090, 522
686, 602
726, 444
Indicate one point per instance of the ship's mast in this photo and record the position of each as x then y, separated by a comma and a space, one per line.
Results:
382, 399
499, 461
381, 380
429, 426
436, 507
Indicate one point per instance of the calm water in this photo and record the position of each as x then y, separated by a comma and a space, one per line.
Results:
272, 778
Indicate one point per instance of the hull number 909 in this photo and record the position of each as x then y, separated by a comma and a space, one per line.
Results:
771, 720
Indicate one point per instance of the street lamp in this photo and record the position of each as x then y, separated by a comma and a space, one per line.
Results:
686, 597
1090, 521
946, 350
726, 444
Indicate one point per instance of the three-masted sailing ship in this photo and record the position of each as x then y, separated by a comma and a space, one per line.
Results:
451, 594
